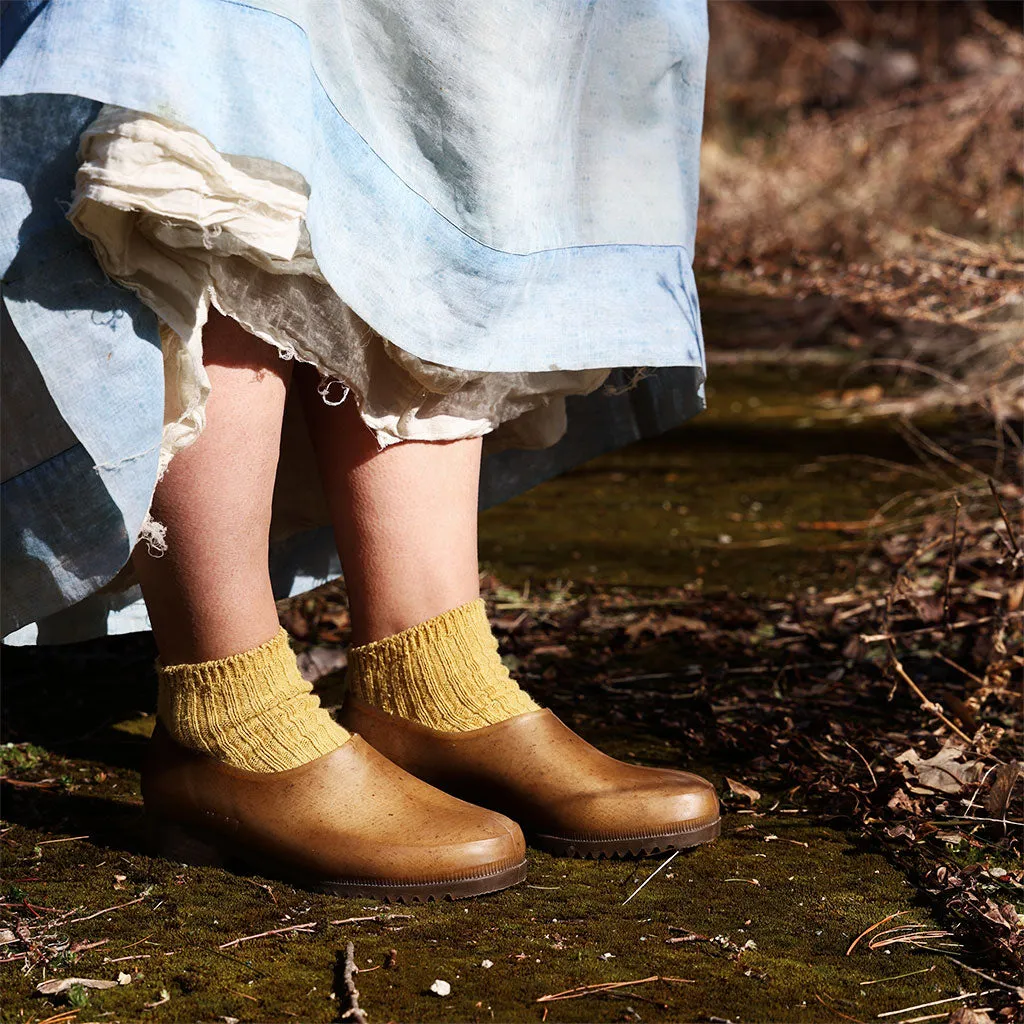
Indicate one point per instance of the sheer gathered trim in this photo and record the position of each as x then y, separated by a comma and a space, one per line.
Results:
187, 228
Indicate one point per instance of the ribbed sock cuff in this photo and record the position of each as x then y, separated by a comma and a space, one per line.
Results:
445, 673
252, 710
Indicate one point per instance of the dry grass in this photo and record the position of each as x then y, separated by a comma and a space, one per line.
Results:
807, 151
879, 164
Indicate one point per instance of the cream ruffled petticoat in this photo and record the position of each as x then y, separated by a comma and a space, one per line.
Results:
186, 227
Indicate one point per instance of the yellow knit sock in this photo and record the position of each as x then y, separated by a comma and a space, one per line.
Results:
445, 673
252, 710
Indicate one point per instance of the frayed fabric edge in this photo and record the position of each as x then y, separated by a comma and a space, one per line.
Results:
154, 535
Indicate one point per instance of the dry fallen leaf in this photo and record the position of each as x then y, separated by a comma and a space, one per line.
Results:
739, 789
944, 772
965, 1015
1002, 786
55, 986
651, 623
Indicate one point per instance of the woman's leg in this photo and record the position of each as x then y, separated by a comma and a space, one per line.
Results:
424, 655
209, 594
405, 519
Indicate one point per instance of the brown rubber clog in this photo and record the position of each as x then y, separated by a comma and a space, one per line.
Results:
350, 823
570, 799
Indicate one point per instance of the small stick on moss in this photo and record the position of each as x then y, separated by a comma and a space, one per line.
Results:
107, 910
838, 1013
602, 986
373, 917
937, 1002
61, 1018
897, 977
348, 976
944, 1013
263, 935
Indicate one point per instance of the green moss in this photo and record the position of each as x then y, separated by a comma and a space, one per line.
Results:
814, 892
17, 757
740, 497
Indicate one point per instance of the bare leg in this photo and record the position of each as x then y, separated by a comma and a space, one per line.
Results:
230, 690
209, 595
425, 664
404, 518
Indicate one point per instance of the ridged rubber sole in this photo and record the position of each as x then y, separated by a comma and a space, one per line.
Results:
187, 845
646, 846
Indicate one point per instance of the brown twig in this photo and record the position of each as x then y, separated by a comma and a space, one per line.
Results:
935, 709
164, 998
874, 638
604, 986
874, 781
908, 934
349, 972
60, 1018
959, 668
263, 935
838, 1013
1019, 989
107, 910
1006, 518
951, 565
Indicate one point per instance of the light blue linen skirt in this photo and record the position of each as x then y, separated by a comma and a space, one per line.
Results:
498, 188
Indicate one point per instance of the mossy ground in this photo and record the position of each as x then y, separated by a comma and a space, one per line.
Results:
789, 881
767, 491
801, 898
551, 934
